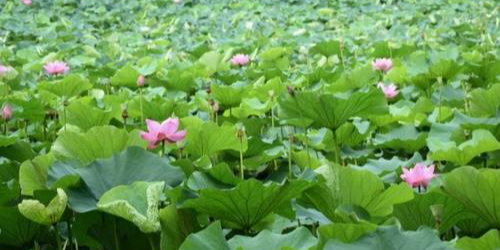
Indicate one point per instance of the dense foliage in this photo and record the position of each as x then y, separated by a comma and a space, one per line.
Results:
250, 125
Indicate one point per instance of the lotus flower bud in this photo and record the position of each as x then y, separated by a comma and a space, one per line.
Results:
140, 81
7, 112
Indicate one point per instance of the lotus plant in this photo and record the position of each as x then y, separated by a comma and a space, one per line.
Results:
390, 91
6, 115
161, 133
4, 70
240, 60
56, 68
26, 2
140, 83
419, 176
382, 64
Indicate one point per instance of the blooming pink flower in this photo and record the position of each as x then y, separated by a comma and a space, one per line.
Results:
240, 59
166, 131
420, 175
6, 112
382, 64
389, 91
26, 2
4, 69
56, 68
140, 81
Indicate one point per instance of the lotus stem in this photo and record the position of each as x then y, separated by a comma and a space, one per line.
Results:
466, 101
162, 148
5, 127
440, 81
337, 150
151, 241
56, 235
115, 235
307, 149
70, 233
290, 141
242, 168
140, 103
64, 113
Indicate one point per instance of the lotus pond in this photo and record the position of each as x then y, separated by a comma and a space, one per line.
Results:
249, 125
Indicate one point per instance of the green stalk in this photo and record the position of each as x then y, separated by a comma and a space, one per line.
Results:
58, 239
140, 103
440, 81
115, 235
242, 169
151, 242
337, 150
307, 150
162, 148
290, 141
70, 233
64, 113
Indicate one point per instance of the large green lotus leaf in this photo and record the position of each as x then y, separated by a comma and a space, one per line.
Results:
357, 78
404, 137
137, 203
228, 95
16, 230
248, 203
9, 193
298, 239
330, 111
156, 109
7, 140
176, 225
97, 142
349, 134
344, 232
446, 150
380, 166
210, 238
346, 186
124, 168
475, 123
209, 138
126, 76
213, 62
477, 190
86, 116
489, 241
69, 86
180, 77
391, 238
329, 48
33, 174
485, 103
26, 107
418, 212
45, 215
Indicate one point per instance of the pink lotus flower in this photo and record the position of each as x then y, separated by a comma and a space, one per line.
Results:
389, 91
240, 59
6, 112
26, 2
56, 68
382, 64
164, 132
140, 81
4, 69
420, 175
